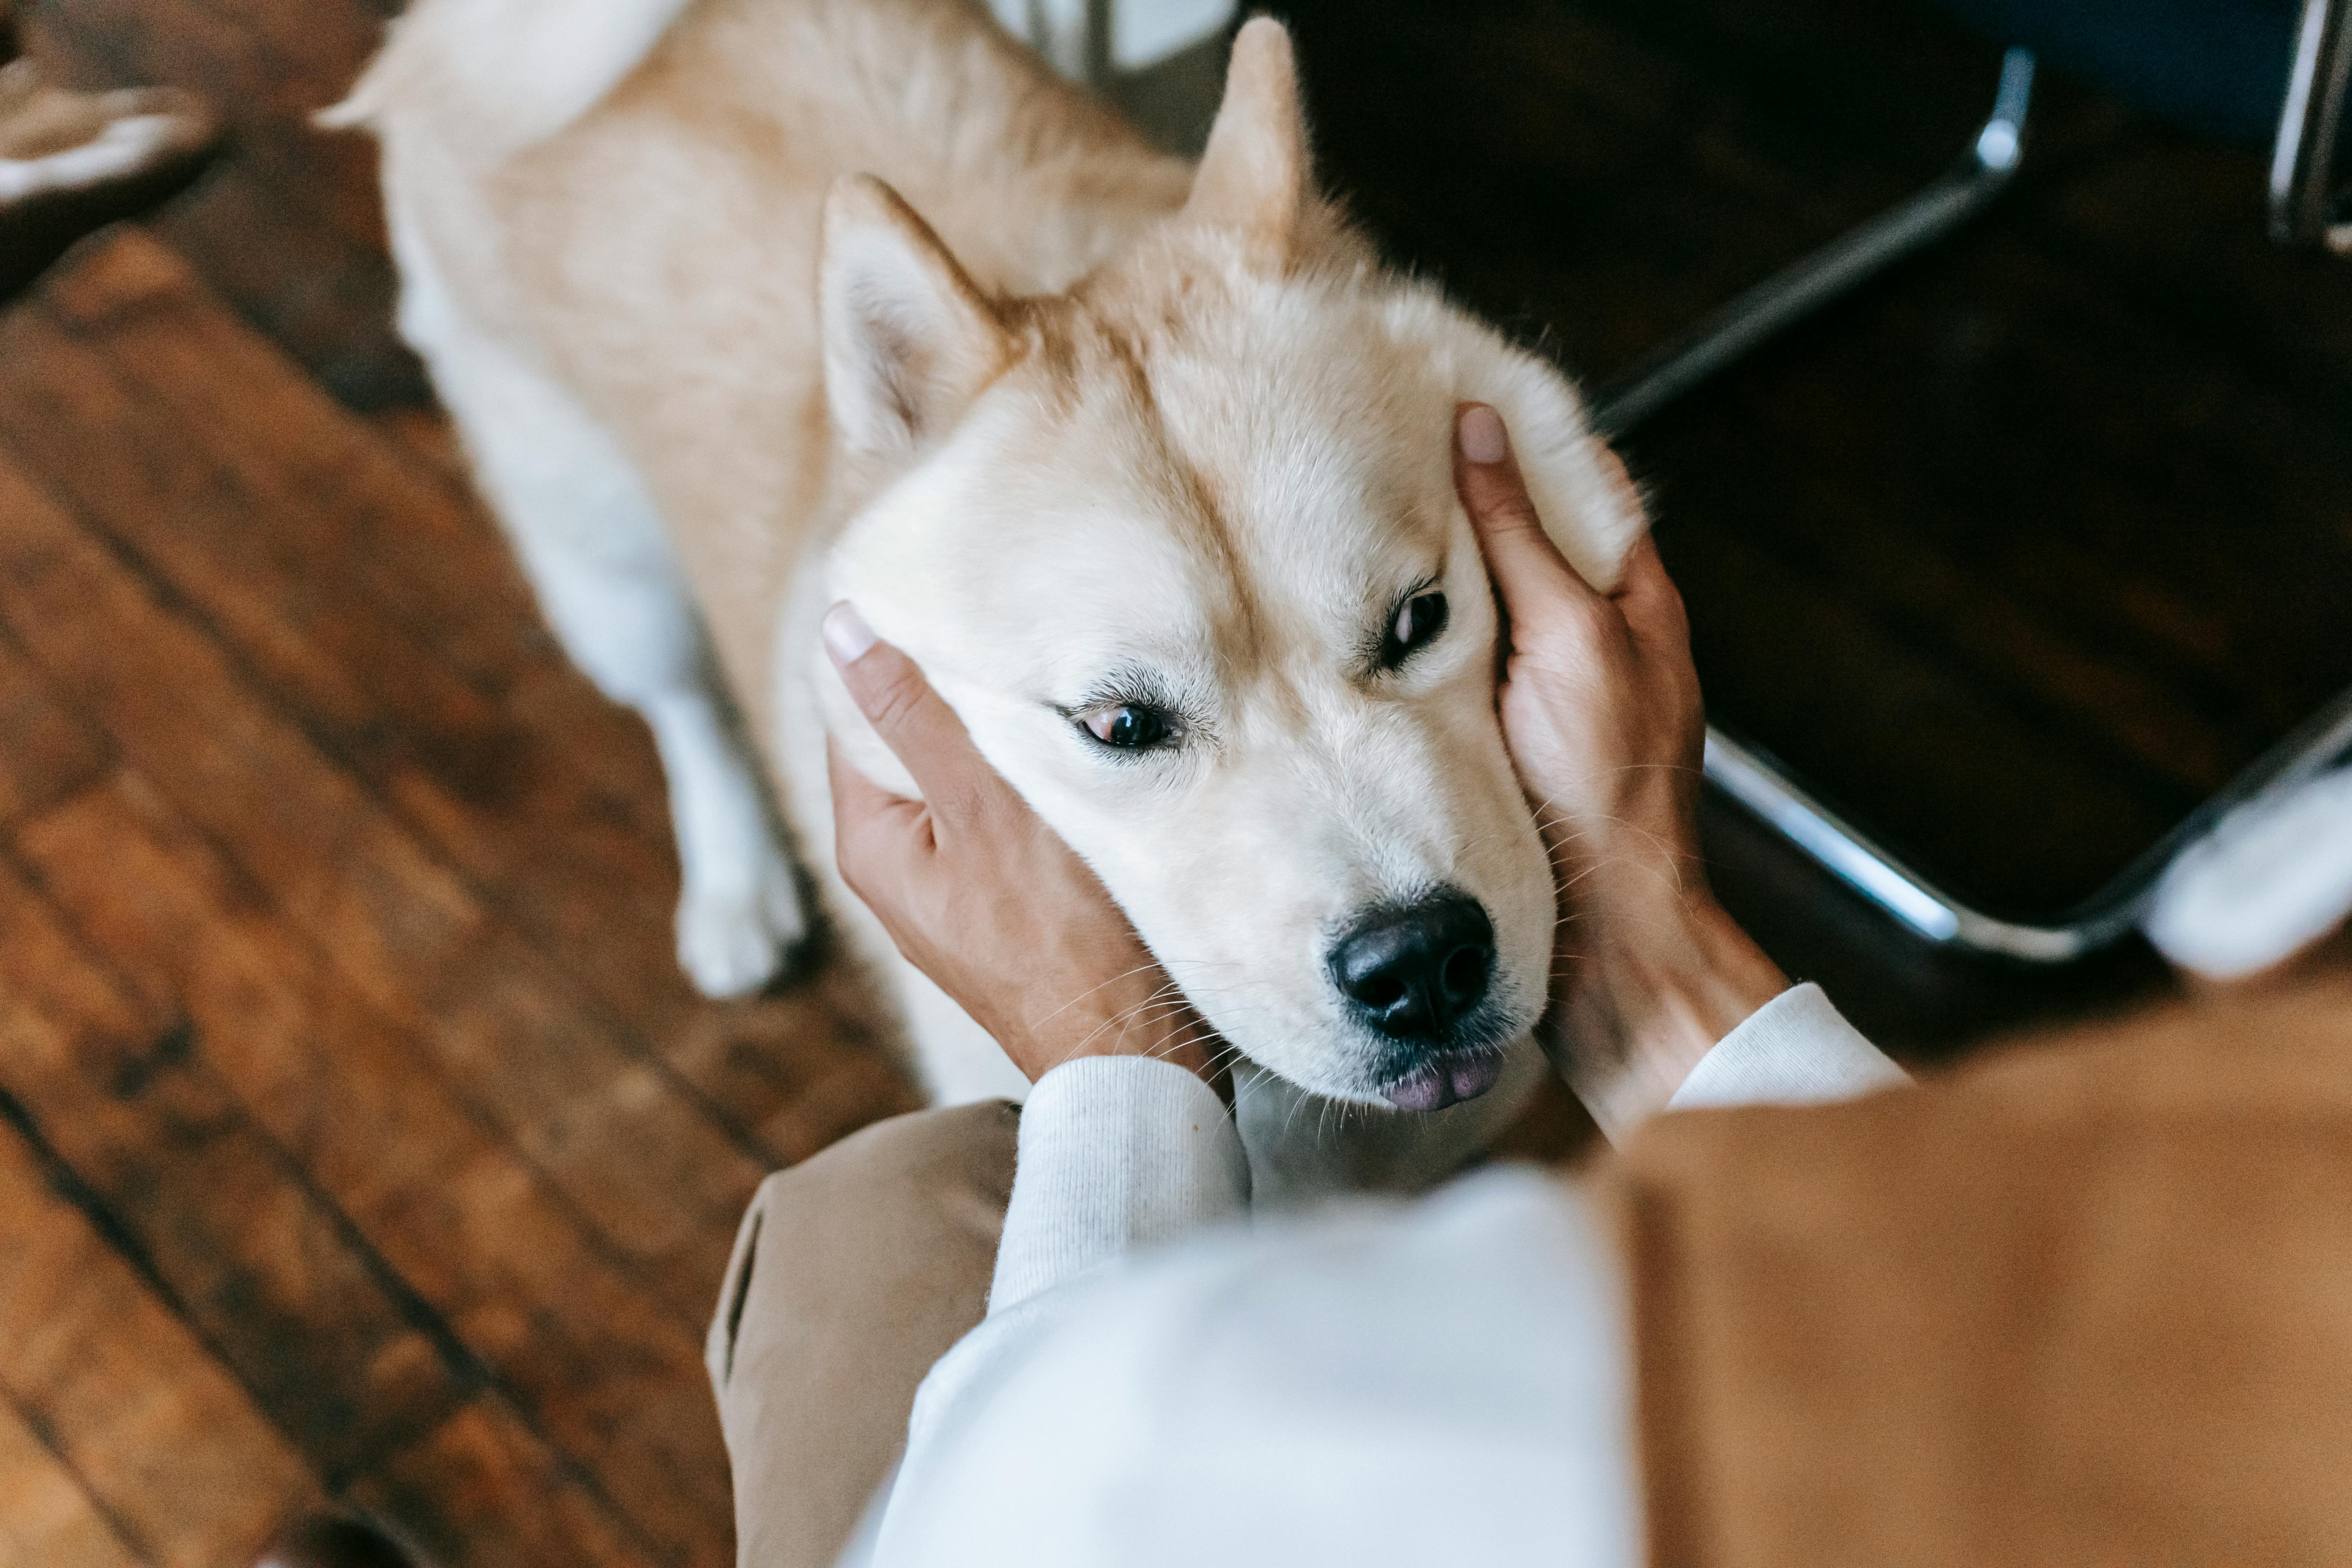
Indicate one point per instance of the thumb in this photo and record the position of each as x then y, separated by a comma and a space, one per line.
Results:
1529, 573
913, 720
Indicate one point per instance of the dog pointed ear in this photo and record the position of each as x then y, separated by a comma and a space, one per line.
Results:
1253, 176
909, 339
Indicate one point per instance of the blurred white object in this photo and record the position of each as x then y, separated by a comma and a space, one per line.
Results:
1140, 32
2275, 878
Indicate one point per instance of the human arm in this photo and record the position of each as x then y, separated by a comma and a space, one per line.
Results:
1125, 1141
981, 896
1654, 982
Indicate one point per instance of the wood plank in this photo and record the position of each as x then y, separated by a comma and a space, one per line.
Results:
481, 1492
324, 300
325, 53
427, 438
287, 222
292, 610
551, 804
662, 1181
2139, 729
1604, 186
608, 1372
251, 1256
266, 80
2002, 616
552, 779
51, 1521
2080, 468
2126, 238
804, 1067
166, 1444
346, 522
436, 566
46, 752
575, 842
2088, 544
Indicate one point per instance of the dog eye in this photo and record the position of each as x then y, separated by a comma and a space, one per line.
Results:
1128, 727
1418, 620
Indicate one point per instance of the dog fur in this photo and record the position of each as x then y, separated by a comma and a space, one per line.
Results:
1094, 420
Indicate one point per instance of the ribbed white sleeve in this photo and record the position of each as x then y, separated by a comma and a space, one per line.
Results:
1796, 1049
1116, 1153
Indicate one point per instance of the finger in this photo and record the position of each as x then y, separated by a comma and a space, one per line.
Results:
880, 839
1651, 604
1528, 570
913, 720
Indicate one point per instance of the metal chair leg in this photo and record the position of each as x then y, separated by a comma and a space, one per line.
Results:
2303, 188
2300, 197
1844, 264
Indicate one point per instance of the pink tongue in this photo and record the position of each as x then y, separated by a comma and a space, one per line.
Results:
1447, 1081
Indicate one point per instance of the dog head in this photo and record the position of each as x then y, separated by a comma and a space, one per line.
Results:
1182, 547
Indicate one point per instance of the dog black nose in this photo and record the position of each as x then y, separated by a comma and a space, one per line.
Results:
1412, 972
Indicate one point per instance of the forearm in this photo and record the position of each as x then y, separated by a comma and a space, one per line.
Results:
1664, 980
1673, 1004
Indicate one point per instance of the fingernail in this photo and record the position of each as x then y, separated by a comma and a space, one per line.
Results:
1480, 430
847, 633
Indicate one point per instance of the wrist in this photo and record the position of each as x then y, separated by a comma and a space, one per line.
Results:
1665, 978
1168, 1032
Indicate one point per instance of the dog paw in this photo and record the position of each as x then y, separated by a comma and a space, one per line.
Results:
732, 941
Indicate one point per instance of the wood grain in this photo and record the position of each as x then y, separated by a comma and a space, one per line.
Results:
287, 224
47, 750
51, 1521
211, 1208
166, 1445
547, 799
625, 1139
606, 1371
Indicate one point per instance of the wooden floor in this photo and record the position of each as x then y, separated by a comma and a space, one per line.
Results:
358, 1135
361, 1140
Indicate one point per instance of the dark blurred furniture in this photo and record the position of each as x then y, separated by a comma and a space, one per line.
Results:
2261, 73
2306, 196
2020, 555
2211, 64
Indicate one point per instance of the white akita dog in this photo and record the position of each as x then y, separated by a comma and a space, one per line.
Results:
1147, 466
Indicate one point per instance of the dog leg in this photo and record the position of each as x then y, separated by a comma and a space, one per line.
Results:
617, 601
738, 914
614, 595
588, 538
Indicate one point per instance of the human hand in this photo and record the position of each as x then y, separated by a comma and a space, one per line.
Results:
984, 898
1600, 705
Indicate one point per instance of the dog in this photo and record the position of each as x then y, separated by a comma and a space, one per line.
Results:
745, 307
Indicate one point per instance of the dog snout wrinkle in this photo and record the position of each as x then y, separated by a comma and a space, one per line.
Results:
1413, 972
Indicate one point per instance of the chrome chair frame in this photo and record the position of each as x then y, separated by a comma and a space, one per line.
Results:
2304, 193
2300, 208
